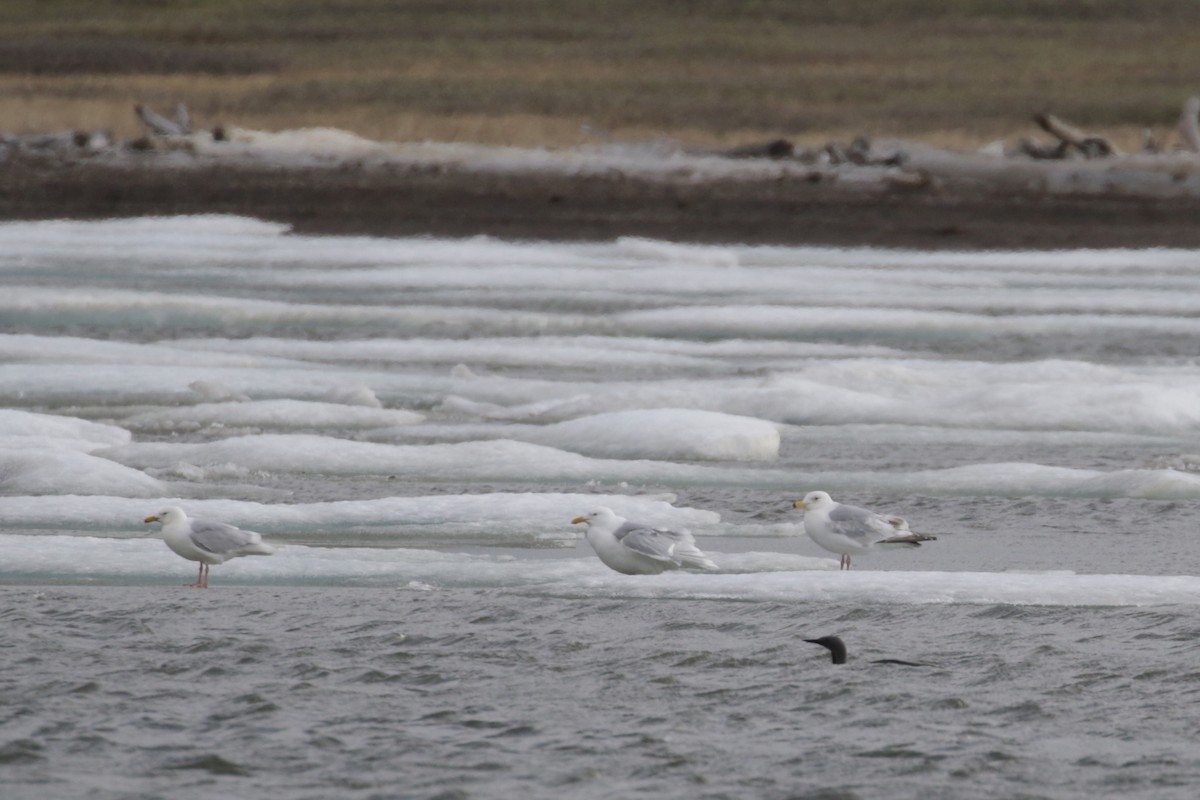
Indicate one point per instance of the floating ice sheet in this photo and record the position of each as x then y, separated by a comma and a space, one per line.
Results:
795, 580
663, 434
270, 415
56, 471
515, 519
19, 425
502, 461
587, 367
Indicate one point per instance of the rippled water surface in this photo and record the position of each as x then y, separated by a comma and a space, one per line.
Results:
415, 422
154, 692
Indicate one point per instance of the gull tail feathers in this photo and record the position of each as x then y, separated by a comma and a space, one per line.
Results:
257, 549
698, 562
688, 556
910, 539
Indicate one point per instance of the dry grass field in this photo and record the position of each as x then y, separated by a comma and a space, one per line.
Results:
559, 72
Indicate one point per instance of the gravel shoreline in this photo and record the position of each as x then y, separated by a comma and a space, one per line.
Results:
404, 199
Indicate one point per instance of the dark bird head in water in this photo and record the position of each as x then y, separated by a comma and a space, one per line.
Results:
837, 650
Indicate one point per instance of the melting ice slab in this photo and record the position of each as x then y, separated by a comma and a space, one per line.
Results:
85, 559
511, 519
271, 414
23, 427
508, 461
673, 434
53, 471
48, 454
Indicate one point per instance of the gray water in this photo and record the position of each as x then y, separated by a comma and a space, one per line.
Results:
255, 692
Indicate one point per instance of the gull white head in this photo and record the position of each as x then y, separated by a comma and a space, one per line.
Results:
814, 500
602, 517
167, 516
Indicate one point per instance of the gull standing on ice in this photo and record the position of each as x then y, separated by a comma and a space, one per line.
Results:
636, 549
207, 542
850, 530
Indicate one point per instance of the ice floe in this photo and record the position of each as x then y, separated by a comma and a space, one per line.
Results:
456, 394
90, 559
271, 415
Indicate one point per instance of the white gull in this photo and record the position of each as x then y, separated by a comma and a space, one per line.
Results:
850, 530
207, 542
637, 549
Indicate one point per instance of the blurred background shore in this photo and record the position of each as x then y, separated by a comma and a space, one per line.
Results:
552, 73
547, 74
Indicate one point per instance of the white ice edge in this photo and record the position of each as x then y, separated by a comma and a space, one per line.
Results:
756, 316
514, 517
206, 239
503, 460
94, 560
158, 469
1051, 395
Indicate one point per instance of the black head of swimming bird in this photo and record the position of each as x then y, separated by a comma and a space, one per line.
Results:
850, 530
837, 650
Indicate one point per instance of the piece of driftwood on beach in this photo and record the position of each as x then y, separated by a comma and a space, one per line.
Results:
161, 126
1189, 123
864, 192
1089, 145
773, 148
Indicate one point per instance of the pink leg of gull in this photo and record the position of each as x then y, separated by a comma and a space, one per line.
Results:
200, 583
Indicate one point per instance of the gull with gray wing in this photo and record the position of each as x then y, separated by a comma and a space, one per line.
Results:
207, 542
636, 549
850, 530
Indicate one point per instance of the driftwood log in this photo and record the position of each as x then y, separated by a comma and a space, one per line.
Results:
775, 148
66, 144
1189, 124
861, 152
1089, 145
161, 126
1150, 143
1041, 151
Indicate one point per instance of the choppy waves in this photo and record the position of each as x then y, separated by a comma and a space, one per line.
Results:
420, 693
